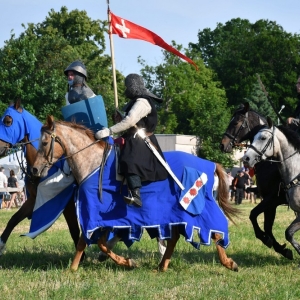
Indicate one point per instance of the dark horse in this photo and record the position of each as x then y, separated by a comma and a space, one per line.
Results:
15, 128
244, 125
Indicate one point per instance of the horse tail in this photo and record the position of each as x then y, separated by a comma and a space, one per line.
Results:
227, 208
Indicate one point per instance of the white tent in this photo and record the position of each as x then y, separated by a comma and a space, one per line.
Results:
10, 162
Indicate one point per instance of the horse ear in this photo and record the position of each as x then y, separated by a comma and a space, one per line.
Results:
49, 122
270, 122
246, 107
17, 104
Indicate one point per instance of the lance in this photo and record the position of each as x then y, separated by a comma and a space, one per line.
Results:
112, 52
271, 103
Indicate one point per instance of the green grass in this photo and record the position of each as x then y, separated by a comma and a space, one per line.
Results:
39, 269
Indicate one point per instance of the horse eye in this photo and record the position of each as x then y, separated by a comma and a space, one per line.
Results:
263, 138
7, 122
44, 143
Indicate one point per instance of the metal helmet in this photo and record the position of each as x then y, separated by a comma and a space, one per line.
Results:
77, 66
135, 87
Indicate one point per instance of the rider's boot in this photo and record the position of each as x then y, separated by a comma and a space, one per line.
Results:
134, 197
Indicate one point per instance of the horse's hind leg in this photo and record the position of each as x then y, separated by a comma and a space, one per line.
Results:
24, 211
171, 244
290, 231
227, 262
81, 245
119, 260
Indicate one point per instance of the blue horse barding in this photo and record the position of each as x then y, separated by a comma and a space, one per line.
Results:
167, 211
19, 126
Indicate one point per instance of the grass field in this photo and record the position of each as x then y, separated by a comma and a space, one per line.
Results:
39, 269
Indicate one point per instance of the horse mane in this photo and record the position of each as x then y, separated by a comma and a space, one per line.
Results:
291, 135
80, 127
241, 110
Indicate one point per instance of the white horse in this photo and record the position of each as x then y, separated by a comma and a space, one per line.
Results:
284, 145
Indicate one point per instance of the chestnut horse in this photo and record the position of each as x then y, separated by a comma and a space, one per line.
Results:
19, 126
162, 214
244, 124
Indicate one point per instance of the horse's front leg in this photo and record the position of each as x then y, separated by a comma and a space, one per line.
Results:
290, 231
270, 215
81, 245
110, 244
227, 262
119, 260
24, 211
171, 244
255, 212
71, 219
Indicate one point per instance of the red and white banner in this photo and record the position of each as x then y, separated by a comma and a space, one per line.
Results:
128, 30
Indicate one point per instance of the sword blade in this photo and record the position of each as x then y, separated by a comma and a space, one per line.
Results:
146, 139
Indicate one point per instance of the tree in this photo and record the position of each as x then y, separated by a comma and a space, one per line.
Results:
32, 65
238, 50
259, 102
194, 103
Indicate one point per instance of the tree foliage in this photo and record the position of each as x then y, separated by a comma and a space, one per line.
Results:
194, 103
259, 102
32, 65
238, 49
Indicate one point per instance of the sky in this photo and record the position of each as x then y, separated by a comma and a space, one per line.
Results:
178, 20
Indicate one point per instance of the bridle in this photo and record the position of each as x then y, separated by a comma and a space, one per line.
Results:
261, 154
233, 138
7, 146
56, 139
270, 143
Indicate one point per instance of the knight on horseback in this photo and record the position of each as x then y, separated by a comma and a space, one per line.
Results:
137, 163
77, 88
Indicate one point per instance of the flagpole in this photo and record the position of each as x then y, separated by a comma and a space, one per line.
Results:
112, 57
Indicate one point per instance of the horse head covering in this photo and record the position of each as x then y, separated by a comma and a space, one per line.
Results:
23, 123
135, 87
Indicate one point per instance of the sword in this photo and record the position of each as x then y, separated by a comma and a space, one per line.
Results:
141, 133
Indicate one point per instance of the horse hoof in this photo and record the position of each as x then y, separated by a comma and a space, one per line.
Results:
131, 263
235, 267
102, 257
287, 253
73, 268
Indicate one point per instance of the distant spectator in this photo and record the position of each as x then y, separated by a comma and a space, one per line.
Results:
247, 183
13, 183
239, 187
3, 184
229, 182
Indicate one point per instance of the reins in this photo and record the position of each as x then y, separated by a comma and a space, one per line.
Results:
55, 138
270, 141
296, 180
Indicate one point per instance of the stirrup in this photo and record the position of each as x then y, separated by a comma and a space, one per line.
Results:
133, 198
